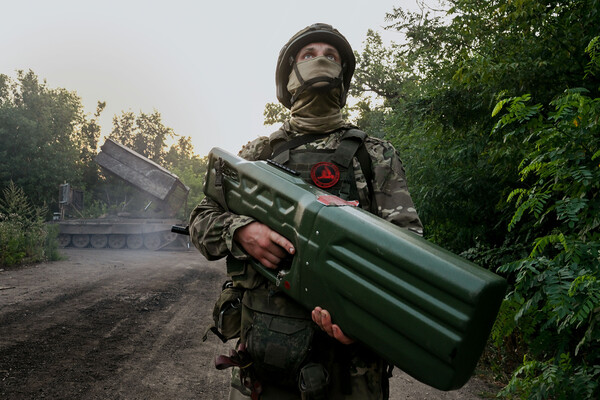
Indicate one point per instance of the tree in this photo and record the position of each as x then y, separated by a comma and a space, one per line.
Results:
88, 143
145, 134
190, 168
45, 138
439, 88
382, 71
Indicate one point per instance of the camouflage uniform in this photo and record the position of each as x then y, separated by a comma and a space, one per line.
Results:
213, 228
361, 375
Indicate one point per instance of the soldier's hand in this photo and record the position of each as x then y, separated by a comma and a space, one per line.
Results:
263, 244
323, 319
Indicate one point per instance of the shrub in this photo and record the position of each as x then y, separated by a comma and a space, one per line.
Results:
557, 287
24, 237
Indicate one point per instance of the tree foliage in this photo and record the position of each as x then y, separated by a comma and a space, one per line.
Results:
190, 168
45, 138
493, 108
557, 287
145, 133
439, 88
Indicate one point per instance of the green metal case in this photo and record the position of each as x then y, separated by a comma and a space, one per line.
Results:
425, 310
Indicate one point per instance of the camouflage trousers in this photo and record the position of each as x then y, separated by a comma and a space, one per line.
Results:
362, 384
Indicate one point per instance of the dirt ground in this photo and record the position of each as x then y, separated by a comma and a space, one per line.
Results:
123, 324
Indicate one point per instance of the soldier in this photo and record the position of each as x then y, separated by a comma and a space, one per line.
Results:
285, 351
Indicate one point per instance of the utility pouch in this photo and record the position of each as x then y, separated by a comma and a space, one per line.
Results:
278, 334
242, 274
227, 313
313, 381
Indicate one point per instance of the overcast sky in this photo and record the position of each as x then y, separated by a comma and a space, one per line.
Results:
207, 67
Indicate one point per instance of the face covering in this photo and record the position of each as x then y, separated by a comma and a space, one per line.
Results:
316, 108
318, 67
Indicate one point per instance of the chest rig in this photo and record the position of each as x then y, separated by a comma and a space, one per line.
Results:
279, 341
332, 169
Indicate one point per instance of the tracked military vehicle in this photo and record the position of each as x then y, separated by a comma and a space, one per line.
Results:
149, 227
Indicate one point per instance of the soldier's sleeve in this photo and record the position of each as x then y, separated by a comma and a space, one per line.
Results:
391, 190
212, 228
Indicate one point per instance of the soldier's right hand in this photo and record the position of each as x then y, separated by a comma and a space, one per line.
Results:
263, 244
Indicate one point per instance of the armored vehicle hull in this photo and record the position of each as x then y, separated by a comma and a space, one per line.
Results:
120, 233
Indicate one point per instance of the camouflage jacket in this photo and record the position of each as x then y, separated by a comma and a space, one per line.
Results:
212, 228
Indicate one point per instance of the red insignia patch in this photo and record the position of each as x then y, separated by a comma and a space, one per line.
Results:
325, 174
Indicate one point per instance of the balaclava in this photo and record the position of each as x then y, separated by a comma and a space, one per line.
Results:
316, 107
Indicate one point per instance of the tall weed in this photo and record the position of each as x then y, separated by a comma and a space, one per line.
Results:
24, 237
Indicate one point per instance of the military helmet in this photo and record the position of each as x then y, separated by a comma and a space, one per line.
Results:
311, 34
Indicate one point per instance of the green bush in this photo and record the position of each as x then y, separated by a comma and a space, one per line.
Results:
557, 287
12, 241
51, 244
24, 237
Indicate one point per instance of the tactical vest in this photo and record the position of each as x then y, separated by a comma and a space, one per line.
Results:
331, 170
277, 333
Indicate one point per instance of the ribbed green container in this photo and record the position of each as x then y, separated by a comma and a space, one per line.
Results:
427, 311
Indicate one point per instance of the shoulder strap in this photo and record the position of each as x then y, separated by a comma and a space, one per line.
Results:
282, 146
278, 136
353, 144
364, 159
351, 140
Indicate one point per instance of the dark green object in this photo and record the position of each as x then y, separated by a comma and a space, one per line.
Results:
426, 310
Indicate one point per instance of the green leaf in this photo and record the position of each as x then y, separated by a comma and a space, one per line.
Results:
499, 107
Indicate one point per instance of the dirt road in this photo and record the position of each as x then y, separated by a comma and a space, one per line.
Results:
123, 324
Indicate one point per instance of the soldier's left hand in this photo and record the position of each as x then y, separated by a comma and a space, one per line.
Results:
323, 319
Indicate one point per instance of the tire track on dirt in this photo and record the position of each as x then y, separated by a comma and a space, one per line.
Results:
172, 348
68, 344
